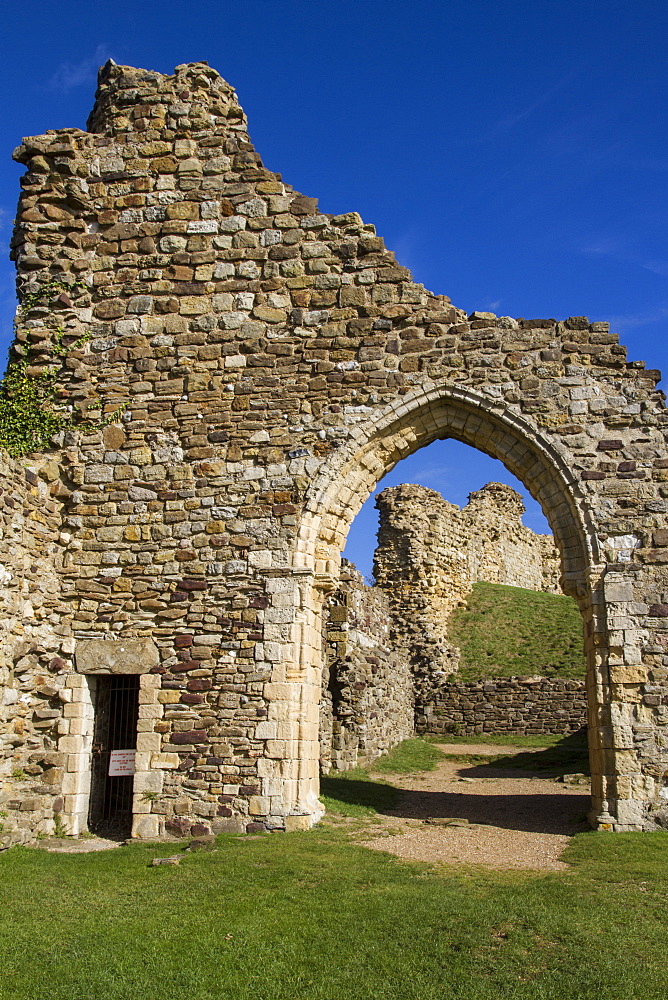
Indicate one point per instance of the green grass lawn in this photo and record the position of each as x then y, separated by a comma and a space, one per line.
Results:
315, 916
312, 916
416, 754
505, 631
355, 793
358, 793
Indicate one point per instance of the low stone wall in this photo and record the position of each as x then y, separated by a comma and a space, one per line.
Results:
367, 703
522, 705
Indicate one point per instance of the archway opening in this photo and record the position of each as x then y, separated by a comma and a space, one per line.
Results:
354, 471
454, 626
451, 468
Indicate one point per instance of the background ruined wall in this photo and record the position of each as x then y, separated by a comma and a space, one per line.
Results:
525, 705
368, 701
431, 552
500, 549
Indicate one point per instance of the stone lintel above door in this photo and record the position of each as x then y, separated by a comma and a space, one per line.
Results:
123, 656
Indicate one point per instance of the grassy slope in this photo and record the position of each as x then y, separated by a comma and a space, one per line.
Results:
315, 917
506, 631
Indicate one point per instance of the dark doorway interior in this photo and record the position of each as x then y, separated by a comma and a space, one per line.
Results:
116, 700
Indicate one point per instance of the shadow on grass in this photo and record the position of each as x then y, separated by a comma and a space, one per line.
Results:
353, 795
357, 797
567, 756
539, 813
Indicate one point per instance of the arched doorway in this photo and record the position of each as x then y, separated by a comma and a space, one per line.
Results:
333, 501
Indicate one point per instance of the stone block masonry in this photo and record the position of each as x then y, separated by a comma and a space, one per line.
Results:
272, 363
429, 555
368, 700
36, 647
528, 706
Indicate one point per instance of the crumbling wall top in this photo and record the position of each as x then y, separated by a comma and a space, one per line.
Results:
195, 98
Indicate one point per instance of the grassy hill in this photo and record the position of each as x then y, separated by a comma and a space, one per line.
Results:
505, 631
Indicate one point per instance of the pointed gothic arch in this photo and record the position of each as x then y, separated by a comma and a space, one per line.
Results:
335, 497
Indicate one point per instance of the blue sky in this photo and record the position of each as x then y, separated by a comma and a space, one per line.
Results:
514, 155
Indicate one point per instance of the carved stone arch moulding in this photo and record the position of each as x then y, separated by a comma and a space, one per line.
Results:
447, 411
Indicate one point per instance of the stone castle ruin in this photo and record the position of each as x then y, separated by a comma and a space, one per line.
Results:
389, 663
430, 553
234, 372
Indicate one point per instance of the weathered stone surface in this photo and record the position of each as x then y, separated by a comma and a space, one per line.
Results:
368, 698
429, 555
526, 706
266, 315
125, 656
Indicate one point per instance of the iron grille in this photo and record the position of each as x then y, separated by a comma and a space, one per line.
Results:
116, 711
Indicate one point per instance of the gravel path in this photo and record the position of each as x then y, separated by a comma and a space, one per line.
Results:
473, 813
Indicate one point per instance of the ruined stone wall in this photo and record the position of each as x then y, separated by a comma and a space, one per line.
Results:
431, 552
274, 362
35, 651
524, 705
500, 549
387, 652
367, 686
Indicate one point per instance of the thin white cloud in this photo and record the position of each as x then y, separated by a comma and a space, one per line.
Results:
605, 246
510, 121
69, 75
437, 473
406, 247
631, 321
657, 267
613, 248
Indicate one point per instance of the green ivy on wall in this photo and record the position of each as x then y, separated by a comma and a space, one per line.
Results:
30, 411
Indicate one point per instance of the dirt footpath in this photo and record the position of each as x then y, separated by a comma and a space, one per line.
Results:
473, 813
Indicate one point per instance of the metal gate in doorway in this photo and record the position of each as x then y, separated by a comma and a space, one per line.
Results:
116, 702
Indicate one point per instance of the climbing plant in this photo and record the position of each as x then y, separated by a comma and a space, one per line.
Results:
31, 413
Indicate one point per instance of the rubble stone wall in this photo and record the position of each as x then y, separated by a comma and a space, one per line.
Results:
35, 652
431, 552
272, 363
367, 692
503, 550
524, 705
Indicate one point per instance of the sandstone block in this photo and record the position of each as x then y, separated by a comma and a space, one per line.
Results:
127, 656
